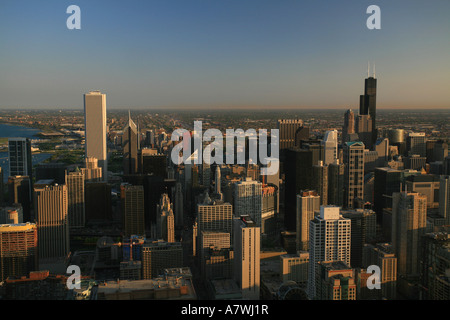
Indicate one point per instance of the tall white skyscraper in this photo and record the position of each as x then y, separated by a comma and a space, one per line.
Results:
95, 128
329, 240
330, 147
248, 199
247, 257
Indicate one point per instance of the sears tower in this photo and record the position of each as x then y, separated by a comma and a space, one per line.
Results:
368, 101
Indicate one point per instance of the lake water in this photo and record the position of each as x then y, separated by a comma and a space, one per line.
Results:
11, 131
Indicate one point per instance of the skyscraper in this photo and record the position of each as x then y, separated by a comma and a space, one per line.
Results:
368, 102
91, 171
130, 146
308, 202
416, 144
409, 215
214, 216
248, 199
51, 207
349, 126
329, 240
354, 172
364, 130
330, 147
20, 191
19, 154
160, 255
18, 250
336, 173
247, 257
132, 198
320, 181
75, 198
444, 198
165, 223
95, 128
287, 129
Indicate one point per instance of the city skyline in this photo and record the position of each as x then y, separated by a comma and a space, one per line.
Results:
224, 55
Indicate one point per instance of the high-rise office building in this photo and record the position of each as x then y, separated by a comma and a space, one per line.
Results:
51, 210
354, 172
308, 203
435, 263
335, 281
165, 223
91, 171
363, 127
18, 250
132, 198
248, 199
329, 240
320, 181
19, 154
95, 129
382, 255
55, 171
302, 134
19, 191
98, 202
363, 230
287, 129
368, 102
269, 208
214, 216
416, 144
215, 243
247, 257
409, 214
349, 126
336, 171
179, 209
330, 147
298, 176
75, 198
155, 164
130, 145
444, 198
160, 255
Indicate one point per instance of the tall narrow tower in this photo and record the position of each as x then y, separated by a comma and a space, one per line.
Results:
368, 101
95, 128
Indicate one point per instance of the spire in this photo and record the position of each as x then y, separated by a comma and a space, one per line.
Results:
374, 70
368, 69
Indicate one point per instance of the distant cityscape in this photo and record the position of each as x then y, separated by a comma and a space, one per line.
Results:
358, 210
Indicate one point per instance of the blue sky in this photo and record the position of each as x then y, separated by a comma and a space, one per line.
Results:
224, 53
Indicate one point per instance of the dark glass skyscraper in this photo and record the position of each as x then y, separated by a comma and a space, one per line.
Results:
368, 102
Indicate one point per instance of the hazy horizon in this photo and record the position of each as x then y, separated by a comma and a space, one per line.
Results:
256, 54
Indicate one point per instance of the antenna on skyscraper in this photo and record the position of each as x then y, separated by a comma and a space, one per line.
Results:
374, 69
368, 69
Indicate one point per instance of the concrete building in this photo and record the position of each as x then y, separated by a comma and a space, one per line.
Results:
329, 240
75, 198
248, 199
294, 267
409, 212
308, 203
165, 220
160, 255
51, 209
132, 198
354, 172
247, 257
18, 250
19, 154
335, 281
95, 129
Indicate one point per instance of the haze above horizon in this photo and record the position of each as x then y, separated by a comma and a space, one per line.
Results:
214, 54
